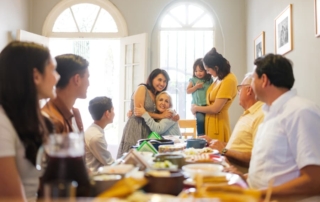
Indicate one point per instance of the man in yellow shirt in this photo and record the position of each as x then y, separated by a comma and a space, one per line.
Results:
238, 149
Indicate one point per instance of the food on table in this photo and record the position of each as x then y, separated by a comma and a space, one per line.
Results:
164, 164
170, 148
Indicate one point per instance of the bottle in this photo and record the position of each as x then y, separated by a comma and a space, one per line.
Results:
65, 155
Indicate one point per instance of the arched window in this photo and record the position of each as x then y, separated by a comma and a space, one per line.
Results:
85, 19
187, 32
91, 29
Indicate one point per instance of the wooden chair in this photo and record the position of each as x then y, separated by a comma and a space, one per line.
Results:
188, 124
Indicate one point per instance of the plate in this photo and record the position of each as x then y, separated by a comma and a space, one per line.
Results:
151, 197
205, 150
204, 169
191, 182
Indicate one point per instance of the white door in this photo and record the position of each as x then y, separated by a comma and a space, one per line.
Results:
31, 37
133, 71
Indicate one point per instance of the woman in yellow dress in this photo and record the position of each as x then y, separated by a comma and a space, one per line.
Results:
220, 96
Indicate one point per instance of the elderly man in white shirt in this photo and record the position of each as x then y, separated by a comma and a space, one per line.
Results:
97, 155
286, 149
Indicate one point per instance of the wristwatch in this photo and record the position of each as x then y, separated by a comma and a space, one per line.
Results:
224, 151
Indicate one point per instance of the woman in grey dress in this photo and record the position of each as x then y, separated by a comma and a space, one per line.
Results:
136, 128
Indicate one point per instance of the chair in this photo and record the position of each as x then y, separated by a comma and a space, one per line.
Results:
188, 124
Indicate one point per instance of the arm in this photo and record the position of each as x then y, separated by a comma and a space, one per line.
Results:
159, 127
306, 183
215, 108
140, 110
191, 88
98, 148
164, 115
10, 183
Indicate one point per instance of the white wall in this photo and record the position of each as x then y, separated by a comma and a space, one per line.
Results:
142, 15
305, 54
14, 15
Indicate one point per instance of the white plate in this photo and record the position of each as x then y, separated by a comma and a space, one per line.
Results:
203, 169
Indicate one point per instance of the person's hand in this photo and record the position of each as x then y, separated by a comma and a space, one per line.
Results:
199, 85
216, 144
206, 137
193, 109
129, 113
176, 117
234, 170
139, 110
166, 114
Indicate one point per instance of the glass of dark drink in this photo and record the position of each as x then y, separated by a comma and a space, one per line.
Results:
66, 162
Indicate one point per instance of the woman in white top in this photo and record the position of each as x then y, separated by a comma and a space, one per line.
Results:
27, 74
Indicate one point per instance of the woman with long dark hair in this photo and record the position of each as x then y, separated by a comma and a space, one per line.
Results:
136, 128
27, 74
220, 95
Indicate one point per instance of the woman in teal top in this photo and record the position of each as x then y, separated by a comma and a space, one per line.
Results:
198, 86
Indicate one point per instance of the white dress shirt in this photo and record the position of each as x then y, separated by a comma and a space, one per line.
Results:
287, 140
97, 154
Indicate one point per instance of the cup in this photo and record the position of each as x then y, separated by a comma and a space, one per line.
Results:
60, 189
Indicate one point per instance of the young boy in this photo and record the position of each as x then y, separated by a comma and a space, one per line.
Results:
102, 112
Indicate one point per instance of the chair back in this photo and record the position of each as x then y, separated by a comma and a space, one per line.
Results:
186, 124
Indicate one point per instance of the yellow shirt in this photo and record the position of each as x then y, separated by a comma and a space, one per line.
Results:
245, 130
217, 126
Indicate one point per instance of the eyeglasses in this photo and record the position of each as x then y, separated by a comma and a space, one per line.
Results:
239, 87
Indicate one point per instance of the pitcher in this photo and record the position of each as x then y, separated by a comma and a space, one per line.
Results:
66, 162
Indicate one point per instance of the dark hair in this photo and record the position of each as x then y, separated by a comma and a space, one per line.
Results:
213, 59
199, 63
69, 65
153, 75
98, 106
277, 68
18, 93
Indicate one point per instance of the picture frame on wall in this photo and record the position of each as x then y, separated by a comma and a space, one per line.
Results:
259, 46
283, 31
317, 17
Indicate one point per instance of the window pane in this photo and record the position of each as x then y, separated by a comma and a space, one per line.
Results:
180, 14
105, 23
179, 50
169, 21
205, 21
85, 15
193, 13
65, 22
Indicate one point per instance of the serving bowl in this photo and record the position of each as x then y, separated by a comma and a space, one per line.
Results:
172, 184
103, 182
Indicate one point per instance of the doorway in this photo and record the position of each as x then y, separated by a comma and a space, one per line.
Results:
104, 57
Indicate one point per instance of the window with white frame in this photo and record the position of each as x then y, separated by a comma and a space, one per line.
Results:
85, 17
186, 33
102, 53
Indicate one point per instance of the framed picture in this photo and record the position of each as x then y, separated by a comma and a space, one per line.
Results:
283, 31
317, 16
259, 49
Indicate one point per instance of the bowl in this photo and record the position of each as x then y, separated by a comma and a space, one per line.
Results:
196, 143
176, 159
103, 182
172, 184
203, 169
120, 169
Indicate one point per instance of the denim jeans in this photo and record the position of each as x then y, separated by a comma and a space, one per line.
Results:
200, 123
